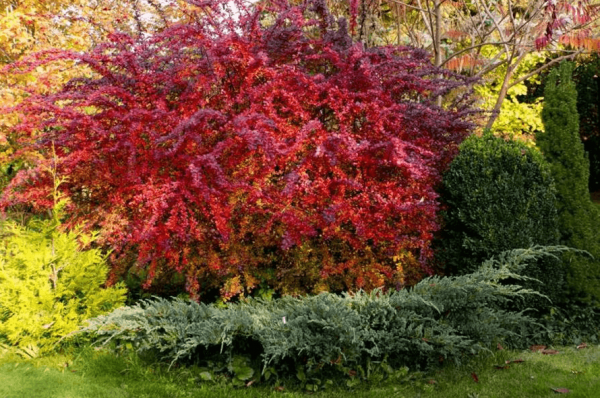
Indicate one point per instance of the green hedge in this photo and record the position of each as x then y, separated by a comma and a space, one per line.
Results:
499, 195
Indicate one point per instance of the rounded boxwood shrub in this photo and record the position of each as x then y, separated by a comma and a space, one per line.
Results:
499, 195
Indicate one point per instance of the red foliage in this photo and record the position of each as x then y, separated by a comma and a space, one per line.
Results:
235, 151
558, 14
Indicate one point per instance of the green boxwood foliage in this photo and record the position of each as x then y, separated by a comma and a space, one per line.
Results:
499, 196
562, 147
48, 284
439, 318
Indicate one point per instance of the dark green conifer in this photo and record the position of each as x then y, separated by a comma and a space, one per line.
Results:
562, 147
500, 196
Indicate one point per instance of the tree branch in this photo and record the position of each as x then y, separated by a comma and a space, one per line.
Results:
541, 68
473, 47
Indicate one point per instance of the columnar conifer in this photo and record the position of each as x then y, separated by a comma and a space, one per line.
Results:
561, 145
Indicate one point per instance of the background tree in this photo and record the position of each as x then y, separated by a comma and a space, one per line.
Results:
484, 38
563, 149
587, 78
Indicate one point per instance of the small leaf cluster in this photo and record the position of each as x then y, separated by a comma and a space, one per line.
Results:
440, 318
500, 195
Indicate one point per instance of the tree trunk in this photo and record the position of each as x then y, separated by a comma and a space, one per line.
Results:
437, 40
510, 70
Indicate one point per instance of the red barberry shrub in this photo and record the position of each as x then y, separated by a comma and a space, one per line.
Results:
263, 147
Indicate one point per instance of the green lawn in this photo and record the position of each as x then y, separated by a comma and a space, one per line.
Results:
100, 374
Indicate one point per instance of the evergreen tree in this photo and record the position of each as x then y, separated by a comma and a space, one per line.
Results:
500, 196
563, 149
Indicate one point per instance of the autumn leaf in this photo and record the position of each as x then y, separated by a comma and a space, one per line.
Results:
536, 348
550, 352
582, 345
499, 347
560, 390
475, 378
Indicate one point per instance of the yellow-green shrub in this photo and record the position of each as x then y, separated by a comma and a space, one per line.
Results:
48, 284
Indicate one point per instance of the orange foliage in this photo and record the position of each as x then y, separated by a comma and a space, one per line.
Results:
580, 41
462, 62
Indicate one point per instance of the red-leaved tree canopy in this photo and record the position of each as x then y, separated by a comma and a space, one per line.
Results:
259, 145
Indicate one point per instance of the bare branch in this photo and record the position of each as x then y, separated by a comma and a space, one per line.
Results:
426, 16
464, 50
545, 66
498, 29
490, 68
406, 5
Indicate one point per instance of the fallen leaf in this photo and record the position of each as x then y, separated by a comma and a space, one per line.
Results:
536, 348
279, 388
560, 390
502, 366
582, 345
518, 360
474, 376
249, 383
549, 352
431, 381
499, 347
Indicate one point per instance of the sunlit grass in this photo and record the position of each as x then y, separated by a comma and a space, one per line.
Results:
90, 373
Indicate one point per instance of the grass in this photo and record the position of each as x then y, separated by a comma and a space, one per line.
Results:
100, 374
